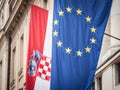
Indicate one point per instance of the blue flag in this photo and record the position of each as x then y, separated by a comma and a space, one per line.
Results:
78, 29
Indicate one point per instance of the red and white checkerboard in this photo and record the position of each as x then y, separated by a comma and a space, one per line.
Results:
44, 68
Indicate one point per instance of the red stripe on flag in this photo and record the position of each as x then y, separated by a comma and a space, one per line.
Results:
37, 30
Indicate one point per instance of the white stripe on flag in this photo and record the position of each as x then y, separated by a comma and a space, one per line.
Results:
41, 84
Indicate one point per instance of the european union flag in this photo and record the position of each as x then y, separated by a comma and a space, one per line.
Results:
78, 29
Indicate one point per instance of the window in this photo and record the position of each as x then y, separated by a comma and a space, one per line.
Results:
99, 83
21, 58
21, 51
93, 86
0, 73
118, 73
13, 68
45, 3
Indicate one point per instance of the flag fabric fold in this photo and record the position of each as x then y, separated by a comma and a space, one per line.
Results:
78, 29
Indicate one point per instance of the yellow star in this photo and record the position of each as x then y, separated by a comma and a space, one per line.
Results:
55, 33
79, 53
56, 22
87, 49
68, 50
88, 19
69, 9
59, 43
61, 13
93, 40
79, 11
93, 29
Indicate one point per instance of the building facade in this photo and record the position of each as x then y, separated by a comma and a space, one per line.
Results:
14, 29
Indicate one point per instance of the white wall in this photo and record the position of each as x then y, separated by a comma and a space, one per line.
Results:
107, 79
115, 22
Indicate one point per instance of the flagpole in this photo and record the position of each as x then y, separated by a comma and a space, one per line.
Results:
112, 36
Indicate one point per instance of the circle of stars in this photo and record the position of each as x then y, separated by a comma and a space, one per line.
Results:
88, 19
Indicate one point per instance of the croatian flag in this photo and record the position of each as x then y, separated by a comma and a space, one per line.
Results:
39, 49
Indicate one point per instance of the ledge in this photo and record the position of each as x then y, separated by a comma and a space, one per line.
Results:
111, 60
15, 16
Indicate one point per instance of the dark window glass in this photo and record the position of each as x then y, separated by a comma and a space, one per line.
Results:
118, 73
100, 83
93, 86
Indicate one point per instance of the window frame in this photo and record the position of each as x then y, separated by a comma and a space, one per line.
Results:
93, 86
117, 73
99, 83
12, 64
0, 72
